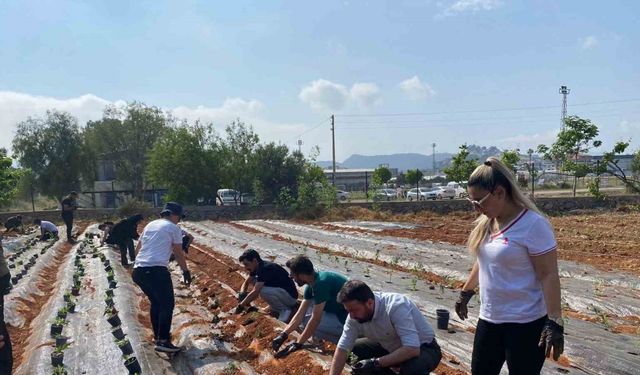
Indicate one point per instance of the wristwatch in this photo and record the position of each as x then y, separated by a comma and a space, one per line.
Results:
558, 320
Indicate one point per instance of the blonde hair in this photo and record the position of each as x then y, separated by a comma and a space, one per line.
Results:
488, 176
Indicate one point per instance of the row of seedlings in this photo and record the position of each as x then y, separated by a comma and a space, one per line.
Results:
14, 263
62, 342
120, 338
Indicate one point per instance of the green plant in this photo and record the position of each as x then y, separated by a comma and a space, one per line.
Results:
59, 370
230, 368
377, 256
59, 321
352, 359
61, 348
122, 342
414, 283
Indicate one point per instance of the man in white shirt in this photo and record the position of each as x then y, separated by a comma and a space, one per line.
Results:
384, 330
48, 230
160, 239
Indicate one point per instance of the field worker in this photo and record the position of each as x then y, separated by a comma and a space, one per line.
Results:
48, 230
106, 229
161, 238
122, 234
69, 205
187, 240
320, 311
14, 222
516, 267
6, 355
384, 330
269, 281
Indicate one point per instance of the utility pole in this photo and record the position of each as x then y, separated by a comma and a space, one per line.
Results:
333, 147
433, 147
300, 146
531, 172
564, 91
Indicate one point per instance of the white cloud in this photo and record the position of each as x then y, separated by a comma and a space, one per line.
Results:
16, 107
462, 6
415, 89
588, 42
527, 141
322, 95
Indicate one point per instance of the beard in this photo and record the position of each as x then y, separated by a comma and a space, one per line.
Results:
367, 318
301, 283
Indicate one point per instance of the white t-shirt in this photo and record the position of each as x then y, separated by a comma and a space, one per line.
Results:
48, 226
157, 242
510, 291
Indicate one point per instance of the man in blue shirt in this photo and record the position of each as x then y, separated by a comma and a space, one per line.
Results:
384, 330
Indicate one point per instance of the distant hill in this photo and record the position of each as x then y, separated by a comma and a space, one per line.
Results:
410, 160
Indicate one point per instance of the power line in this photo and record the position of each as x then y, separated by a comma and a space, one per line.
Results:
486, 110
308, 130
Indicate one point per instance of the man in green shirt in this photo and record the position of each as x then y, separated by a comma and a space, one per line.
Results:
320, 312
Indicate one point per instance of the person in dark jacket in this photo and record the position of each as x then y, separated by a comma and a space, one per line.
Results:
14, 222
69, 206
6, 355
122, 234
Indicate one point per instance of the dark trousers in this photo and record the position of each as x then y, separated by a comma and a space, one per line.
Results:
515, 343
125, 246
156, 283
427, 361
67, 217
6, 352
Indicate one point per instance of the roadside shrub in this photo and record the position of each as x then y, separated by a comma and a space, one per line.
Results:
132, 207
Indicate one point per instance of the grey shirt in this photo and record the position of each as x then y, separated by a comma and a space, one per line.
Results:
396, 322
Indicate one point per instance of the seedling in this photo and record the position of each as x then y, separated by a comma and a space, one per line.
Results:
231, 368
59, 370
352, 359
414, 283
395, 260
367, 272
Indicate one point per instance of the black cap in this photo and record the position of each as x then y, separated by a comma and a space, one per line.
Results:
173, 208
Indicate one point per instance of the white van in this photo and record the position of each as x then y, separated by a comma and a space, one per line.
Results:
460, 191
229, 197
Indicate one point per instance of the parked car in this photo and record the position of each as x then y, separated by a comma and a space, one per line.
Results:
460, 191
445, 192
384, 195
413, 194
230, 197
342, 195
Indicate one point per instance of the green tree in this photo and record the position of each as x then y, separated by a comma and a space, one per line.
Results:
52, 148
611, 165
511, 158
185, 160
124, 135
413, 177
577, 137
461, 165
381, 175
237, 153
9, 177
274, 168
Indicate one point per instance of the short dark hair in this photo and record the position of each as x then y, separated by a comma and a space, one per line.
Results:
37, 221
102, 226
355, 290
249, 255
300, 265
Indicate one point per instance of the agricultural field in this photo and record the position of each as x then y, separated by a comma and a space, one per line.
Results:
84, 290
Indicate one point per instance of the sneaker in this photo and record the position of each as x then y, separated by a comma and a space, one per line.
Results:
284, 315
166, 346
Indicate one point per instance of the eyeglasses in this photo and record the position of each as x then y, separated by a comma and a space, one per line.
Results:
478, 204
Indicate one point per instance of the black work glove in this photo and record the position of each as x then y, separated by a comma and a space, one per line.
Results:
552, 337
366, 366
239, 309
278, 341
288, 350
461, 303
242, 295
186, 275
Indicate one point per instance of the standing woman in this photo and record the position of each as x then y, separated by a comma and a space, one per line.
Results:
516, 267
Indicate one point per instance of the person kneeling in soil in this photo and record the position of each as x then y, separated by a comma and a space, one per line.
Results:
161, 238
122, 234
48, 230
6, 352
322, 314
14, 222
271, 282
384, 330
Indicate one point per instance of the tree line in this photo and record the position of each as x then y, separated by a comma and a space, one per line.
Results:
147, 148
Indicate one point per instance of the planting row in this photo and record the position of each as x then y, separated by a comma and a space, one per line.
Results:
14, 261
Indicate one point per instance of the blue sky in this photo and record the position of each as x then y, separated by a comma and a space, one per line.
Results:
285, 66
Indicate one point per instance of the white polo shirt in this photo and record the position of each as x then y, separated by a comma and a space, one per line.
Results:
48, 226
510, 291
157, 241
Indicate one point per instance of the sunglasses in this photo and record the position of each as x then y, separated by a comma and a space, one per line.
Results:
478, 204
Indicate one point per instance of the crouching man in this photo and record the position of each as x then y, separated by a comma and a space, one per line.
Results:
322, 315
271, 282
384, 330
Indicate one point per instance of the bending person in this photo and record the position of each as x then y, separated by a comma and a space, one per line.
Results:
516, 268
319, 312
48, 230
122, 234
269, 281
159, 240
384, 330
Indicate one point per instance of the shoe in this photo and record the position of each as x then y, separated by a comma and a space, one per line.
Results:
166, 346
284, 315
